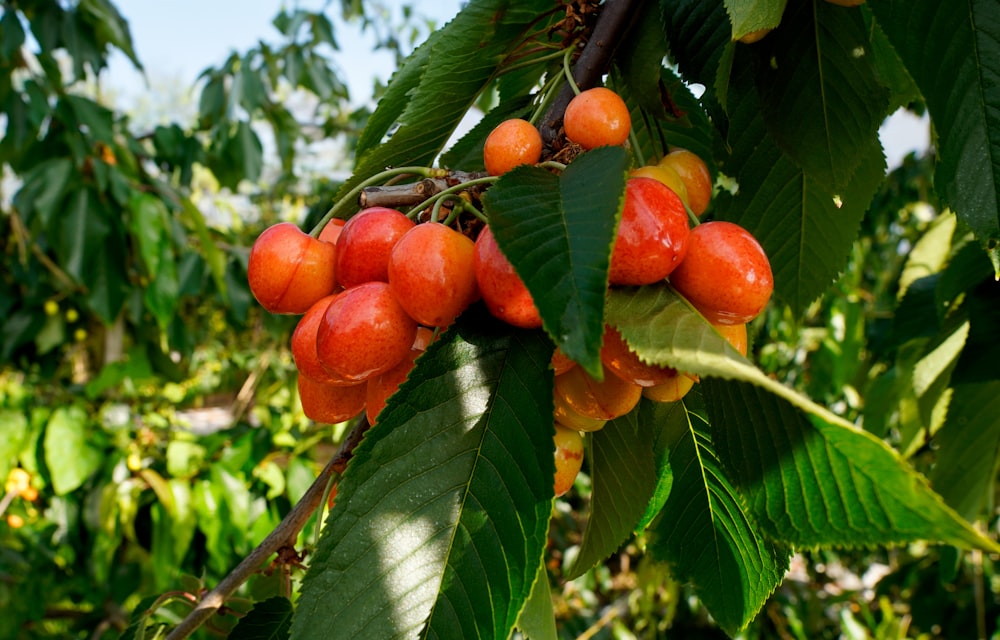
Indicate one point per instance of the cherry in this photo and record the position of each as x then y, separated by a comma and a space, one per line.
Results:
512, 143
726, 274
304, 344
570, 417
290, 270
597, 117
502, 289
666, 175
619, 357
561, 363
652, 236
670, 391
331, 231
365, 243
754, 36
432, 273
735, 334
602, 400
382, 386
696, 176
568, 456
330, 403
364, 332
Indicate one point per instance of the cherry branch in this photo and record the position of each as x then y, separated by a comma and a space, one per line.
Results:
284, 535
614, 21
408, 195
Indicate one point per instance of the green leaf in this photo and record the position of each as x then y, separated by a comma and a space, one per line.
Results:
70, 456
810, 478
623, 472
213, 256
15, 433
968, 448
806, 235
704, 531
268, 620
43, 188
697, 31
110, 27
81, 234
748, 16
149, 223
435, 89
537, 620
952, 51
442, 514
557, 231
818, 90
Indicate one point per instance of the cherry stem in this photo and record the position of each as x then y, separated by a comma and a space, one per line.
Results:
548, 95
552, 164
691, 216
450, 191
640, 158
283, 535
529, 62
569, 72
351, 196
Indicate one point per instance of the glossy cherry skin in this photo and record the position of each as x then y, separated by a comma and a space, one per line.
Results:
569, 457
512, 143
597, 117
696, 176
619, 357
330, 403
670, 391
601, 400
332, 230
726, 274
364, 332
382, 386
561, 363
365, 244
304, 344
735, 334
432, 272
290, 270
570, 417
652, 236
502, 289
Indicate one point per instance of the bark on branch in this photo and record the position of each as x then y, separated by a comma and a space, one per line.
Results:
284, 535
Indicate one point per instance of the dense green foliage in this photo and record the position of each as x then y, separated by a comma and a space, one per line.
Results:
861, 427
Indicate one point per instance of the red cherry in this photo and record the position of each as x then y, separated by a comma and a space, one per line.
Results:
652, 236
696, 176
304, 343
290, 270
619, 357
502, 289
364, 332
365, 243
432, 273
726, 274
330, 403
602, 400
331, 232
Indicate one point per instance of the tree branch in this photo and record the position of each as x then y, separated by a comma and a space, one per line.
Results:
285, 534
616, 16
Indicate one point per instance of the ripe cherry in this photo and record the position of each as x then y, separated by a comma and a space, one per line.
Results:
597, 117
670, 391
726, 274
602, 400
512, 143
365, 243
568, 457
331, 231
502, 289
570, 417
666, 175
652, 235
364, 332
735, 334
330, 403
290, 270
382, 386
304, 344
432, 272
561, 363
619, 357
696, 176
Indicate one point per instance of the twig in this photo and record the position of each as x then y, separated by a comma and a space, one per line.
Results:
407, 195
285, 534
611, 26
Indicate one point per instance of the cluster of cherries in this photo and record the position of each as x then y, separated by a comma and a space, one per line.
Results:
372, 291
719, 267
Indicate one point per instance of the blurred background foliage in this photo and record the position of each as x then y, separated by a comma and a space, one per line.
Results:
150, 433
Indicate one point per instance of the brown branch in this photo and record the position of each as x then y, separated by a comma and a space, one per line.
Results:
614, 21
284, 535
408, 195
